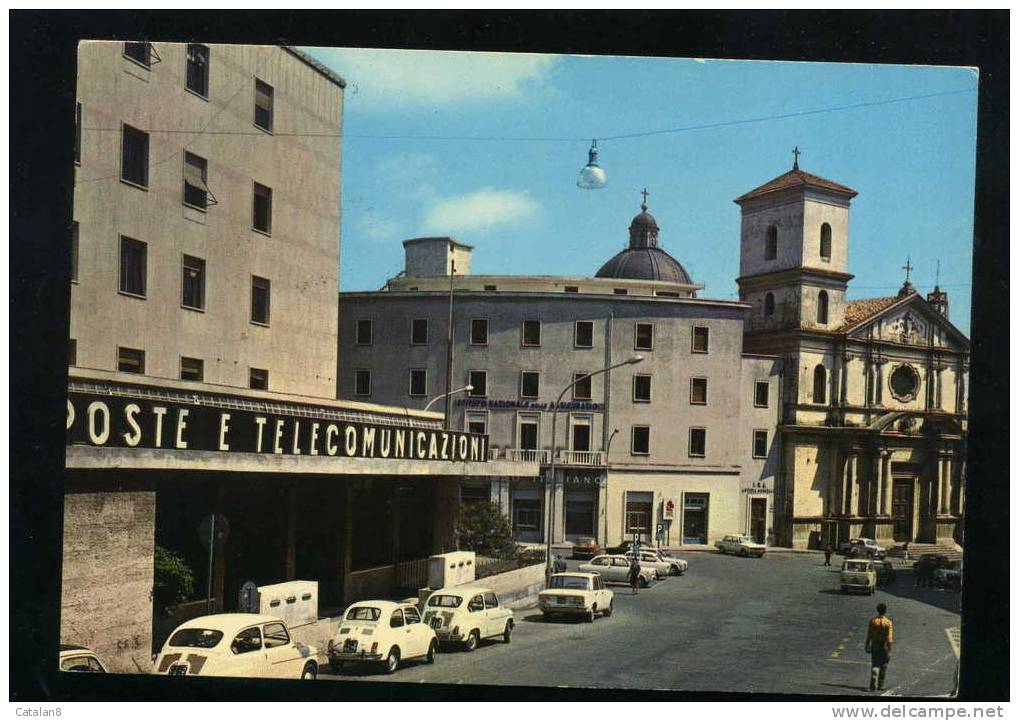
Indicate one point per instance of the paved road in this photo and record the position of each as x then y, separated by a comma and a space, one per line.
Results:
777, 624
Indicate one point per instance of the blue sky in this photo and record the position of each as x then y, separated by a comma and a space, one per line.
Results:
486, 147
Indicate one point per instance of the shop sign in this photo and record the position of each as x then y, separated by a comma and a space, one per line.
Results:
669, 511
516, 404
119, 422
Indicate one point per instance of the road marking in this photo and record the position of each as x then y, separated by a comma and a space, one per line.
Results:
842, 646
954, 636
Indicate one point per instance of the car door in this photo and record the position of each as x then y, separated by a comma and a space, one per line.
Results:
280, 654
601, 564
418, 635
620, 570
496, 614
477, 618
248, 657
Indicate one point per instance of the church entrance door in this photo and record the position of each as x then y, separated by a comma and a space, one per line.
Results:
902, 510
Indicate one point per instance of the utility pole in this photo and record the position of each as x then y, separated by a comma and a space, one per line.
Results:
449, 346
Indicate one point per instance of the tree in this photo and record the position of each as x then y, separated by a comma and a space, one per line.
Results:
483, 529
174, 581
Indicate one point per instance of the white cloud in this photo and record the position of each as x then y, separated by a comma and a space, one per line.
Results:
377, 77
375, 226
412, 175
481, 210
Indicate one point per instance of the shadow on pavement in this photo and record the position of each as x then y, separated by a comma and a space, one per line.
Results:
905, 587
563, 619
842, 685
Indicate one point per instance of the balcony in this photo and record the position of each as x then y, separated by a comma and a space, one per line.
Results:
566, 458
527, 455
581, 458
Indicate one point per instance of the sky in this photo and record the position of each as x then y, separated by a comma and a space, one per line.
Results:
486, 148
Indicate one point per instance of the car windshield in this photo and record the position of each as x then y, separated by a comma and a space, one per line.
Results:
445, 601
583, 541
196, 638
580, 583
857, 566
363, 613
746, 539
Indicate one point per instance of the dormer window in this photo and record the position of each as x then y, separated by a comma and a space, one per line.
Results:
771, 243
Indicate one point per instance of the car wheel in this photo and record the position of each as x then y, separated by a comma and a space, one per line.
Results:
336, 666
608, 611
743, 552
589, 617
472, 641
508, 631
643, 582
310, 671
392, 661
432, 648
546, 616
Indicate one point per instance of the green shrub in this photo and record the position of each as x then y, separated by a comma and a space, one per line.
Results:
483, 529
174, 581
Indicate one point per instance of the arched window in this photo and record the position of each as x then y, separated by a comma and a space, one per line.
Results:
771, 243
822, 308
825, 241
820, 383
769, 304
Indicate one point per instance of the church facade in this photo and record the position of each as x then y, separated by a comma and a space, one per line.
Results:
874, 424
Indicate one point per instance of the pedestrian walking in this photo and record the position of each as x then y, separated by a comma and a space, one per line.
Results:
827, 555
559, 565
634, 575
880, 637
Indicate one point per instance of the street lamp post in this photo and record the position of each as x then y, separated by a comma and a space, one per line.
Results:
632, 360
428, 405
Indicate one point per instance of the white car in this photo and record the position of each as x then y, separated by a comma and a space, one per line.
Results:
677, 566
80, 660
384, 632
236, 644
858, 575
466, 615
576, 594
662, 564
741, 546
864, 548
616, 569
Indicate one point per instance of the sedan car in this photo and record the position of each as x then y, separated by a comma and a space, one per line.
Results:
465, 615
741, 546
586, 547
616, 569
576, 594
672, 565
381, 632
863, 548
79, 659
858, 575
949, 577
885, 572
650, 559
236, 644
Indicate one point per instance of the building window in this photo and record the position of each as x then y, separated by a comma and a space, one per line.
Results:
641, 389
581, 386
74, 250
530, 334
193, 283
77, 134
769, 304
698, 442
527, 432
196, 185
418, 382
479, 331
620, 291
644, 336
571, 289
72, 352
261, 209
362, 382
904, 382
699, 340
580, 433
478, 380
260, 299
192, 369
141, 53
526, 514
258, 378
761, 394
365, 331
419, 331
263, 105
583, 334
476, 422
760, 444
822, 308
133, 254
130, 360
198, 69
134, 156
771, 243
640, 440
529, 381
825, 241
638, 513
699, 391
820, 383
490, 287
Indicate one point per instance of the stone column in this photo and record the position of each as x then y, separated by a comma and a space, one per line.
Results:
946, 484
835, 481
851, 496
559, 522
937, 386
960, 387
874, 485
934, 473
844, 378
886, 483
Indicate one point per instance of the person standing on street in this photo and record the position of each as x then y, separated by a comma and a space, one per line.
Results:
827, 555
634, 574
880, 637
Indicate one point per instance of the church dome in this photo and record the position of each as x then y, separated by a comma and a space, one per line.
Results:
643, 259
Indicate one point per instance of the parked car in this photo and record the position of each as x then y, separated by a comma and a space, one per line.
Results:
576, 594
858, 575
677, 566
586, 547
931, 562
626, 547
383, 632
741, 546
236, 644
616, 569
466, 615
949, 577
862, 548
651, 560
80, 660
885, 572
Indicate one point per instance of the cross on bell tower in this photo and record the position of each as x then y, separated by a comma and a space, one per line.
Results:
796, 158
643, 206
907, 287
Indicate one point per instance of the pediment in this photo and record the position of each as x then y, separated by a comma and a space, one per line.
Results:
911, 321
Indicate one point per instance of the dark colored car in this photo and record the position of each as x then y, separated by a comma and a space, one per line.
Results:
885, 572
931, 562
586, 547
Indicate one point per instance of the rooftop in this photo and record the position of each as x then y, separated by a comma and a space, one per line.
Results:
857, 311
312, 62
796, 178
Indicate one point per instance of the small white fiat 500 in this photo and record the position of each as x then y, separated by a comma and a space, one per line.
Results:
236, 644
575, 594
381, 631
466, 615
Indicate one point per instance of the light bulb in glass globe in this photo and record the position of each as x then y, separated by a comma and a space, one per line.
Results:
592, 176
